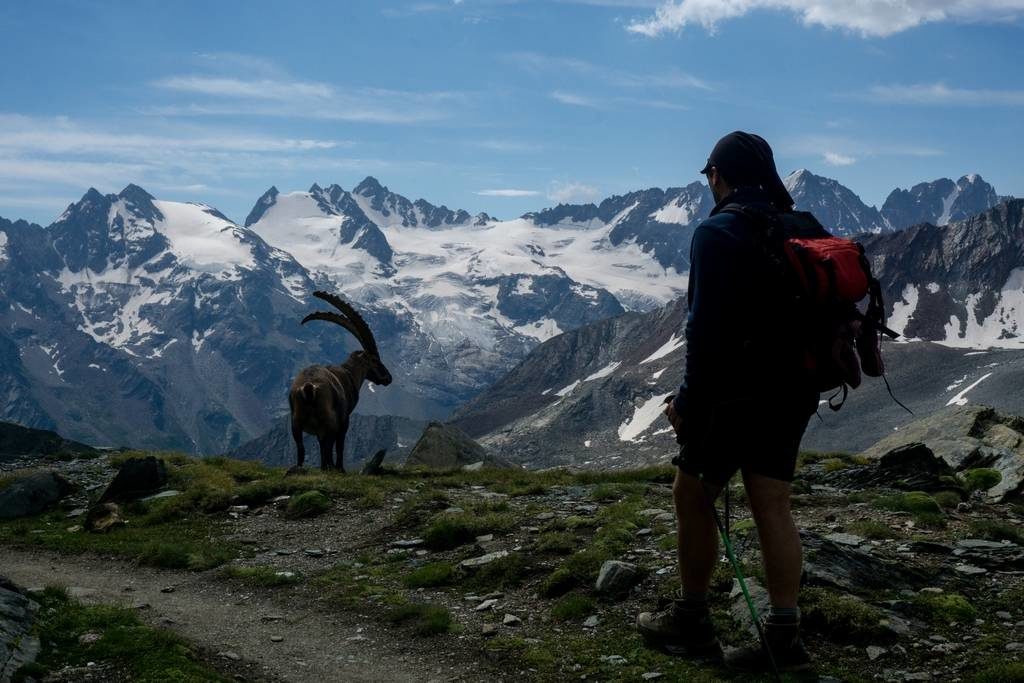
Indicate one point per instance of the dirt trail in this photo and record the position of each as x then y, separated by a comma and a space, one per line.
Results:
221, 617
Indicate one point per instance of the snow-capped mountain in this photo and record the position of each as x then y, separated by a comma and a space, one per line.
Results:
132, 320
593, 396
939, 202
836, 206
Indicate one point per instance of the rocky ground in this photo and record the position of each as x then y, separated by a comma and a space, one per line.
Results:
494, 575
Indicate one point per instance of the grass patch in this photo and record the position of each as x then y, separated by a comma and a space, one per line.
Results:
873, 529
308, 504
449, 531
262, 576
947, 500
426, 620
147, 654
429, 575
996, 530
942, 608
1001, 672
557, 543
981, 479
572, 608
923, 508
507, 572
838, 617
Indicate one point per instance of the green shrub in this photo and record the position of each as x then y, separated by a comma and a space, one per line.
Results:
839, 617
870, 528
915, 501
996, 530
166, 555
942, 608
448, 531
308, 504
947, 499
559, 543
558, 582
981, 479
433, 574
426, 620
572, 607
507, 572
1000, 672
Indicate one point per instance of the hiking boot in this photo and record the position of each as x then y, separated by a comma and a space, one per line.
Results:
681, 629
783, 639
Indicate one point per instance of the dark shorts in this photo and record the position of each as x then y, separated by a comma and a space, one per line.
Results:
761, 439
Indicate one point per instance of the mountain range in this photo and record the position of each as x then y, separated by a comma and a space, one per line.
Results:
137, 321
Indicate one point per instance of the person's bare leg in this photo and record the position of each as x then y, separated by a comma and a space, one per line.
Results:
696, 533
780, 540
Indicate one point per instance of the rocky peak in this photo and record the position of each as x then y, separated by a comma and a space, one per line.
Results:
266, 200
837, 207
140, 202
939, 202
370, 187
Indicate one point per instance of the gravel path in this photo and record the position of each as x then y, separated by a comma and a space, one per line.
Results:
237, 625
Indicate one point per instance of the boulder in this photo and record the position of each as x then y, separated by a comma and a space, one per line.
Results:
375, 465
31, 494
103, 517
616, 577
445, 447
967, 437
911, 467
836, 565
739, 609
17, 644
136, 478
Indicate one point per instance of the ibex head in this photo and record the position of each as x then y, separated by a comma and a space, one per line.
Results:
354, 323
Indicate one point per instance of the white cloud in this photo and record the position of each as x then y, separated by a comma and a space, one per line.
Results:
571, 192
866, 17
508, 193
507, 145
843, 147
261, 89
575, 100
940, 93
836, 159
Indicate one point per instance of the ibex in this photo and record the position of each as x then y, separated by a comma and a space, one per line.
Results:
323, 397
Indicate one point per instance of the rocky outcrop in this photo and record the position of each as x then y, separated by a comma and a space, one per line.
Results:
445, 447
968, 437
17, 615
32, 494
136, 478
909, 468
18, 441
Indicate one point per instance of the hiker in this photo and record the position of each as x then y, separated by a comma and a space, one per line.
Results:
743, 406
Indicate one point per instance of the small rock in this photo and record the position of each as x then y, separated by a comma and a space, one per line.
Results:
651, 512
453, 510
651, 675
846, 539
141, 605
591, 622
89, 637
511, 620
169, 493
276, 639
279, 499
238, 508
284, 552
314, 552
407, 542
228, 654
969, 569
874, 652
489, 630
77, 512
917, 676
613, 659
643, 532
586, 508
545, 516
167, 589
485, 605
74, 528
1014, 647
484, 559
665, 518
616, 577
486, 538
932, 589
1005, 616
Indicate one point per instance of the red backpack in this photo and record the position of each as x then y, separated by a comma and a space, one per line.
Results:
826, 277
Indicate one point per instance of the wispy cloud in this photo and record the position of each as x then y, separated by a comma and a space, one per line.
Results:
261, 89
942, 94
568, 192
575, 100
866, 17
548, 64
508, 193
506, 145
836, 159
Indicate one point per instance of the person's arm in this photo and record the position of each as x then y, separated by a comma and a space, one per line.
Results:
710, 299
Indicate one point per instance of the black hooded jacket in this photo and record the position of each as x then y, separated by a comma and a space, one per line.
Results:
739, 345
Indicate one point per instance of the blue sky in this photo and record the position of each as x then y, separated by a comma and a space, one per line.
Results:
501, 106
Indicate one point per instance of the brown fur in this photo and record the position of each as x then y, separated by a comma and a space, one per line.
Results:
322, 397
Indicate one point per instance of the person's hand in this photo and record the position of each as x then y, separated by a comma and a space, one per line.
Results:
674, 418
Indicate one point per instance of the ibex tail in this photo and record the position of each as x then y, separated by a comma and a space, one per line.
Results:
308, 391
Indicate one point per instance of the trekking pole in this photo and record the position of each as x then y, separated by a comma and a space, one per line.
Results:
738, 570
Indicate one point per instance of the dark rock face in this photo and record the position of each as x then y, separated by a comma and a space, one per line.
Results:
967, 437
835, 206
18, 441
939, 202
836, 565
526, 298
616, 577
18, 646
444, 447
32, 494
136, 478
912, 467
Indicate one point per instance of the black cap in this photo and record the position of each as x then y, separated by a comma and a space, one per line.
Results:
746, 160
